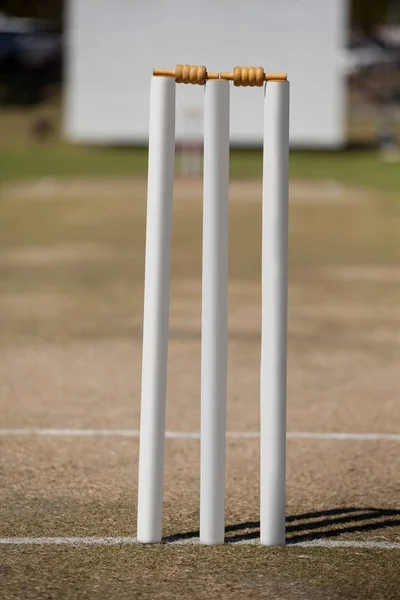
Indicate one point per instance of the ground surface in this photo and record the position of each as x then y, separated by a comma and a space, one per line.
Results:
71, 300
21, 157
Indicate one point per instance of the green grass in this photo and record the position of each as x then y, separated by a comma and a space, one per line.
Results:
365, 169
21, 158
362, 169
70, 161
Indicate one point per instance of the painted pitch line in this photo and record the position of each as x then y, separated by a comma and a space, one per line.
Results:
349, 544
195, 435
128, 541
345, 436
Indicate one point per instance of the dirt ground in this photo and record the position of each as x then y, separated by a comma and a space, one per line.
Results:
71, 299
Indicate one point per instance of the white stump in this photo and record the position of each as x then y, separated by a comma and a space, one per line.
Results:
214, 312
274, 314
156, 308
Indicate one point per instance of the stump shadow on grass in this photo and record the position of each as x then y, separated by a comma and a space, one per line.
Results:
310, 526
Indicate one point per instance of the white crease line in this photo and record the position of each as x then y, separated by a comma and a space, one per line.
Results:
67, 541
127, 541
349, 544
195, 435
344, 436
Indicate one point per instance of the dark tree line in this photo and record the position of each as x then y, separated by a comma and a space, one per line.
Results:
367, 14
31, 61
40, 9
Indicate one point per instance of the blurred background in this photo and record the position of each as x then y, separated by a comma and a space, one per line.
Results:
73, 71
74, 102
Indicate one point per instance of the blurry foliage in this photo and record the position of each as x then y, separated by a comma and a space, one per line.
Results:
366, 14
31, 59
39, 9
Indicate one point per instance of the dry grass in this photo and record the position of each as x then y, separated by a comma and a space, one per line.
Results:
71, 298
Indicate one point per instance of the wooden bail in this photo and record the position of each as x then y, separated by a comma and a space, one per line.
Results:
241, 76
196, 75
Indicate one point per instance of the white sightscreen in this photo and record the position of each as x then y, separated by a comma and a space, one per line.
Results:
113, 45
